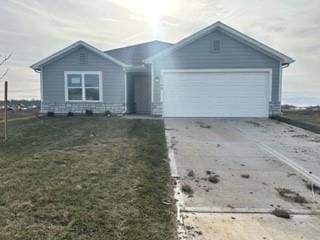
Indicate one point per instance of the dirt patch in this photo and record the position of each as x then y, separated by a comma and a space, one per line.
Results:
191, 174
186, 189
300, 136
282, 213
214, 179
203, 125
246, 176
291, 196
256, 124
291, 174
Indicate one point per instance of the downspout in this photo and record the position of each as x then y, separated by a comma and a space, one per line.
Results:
125, 92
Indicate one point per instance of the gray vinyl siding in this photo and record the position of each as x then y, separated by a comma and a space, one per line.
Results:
113, 77
233, 54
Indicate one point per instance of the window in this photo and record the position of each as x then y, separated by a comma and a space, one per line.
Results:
216, 46
83, 86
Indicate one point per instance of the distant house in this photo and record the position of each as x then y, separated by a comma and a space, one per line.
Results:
215, 72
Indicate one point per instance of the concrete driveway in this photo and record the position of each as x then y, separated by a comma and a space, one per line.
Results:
257, 165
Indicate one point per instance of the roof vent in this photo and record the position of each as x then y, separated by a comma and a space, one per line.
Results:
83, 58
216, 46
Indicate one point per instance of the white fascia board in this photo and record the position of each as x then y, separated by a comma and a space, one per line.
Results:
228, 29
72, 46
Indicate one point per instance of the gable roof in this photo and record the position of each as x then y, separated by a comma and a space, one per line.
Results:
73, 46
135, 54
236, 34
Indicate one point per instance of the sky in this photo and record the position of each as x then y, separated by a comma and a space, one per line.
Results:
34, 29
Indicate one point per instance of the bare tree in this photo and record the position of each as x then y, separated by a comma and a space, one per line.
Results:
2, 62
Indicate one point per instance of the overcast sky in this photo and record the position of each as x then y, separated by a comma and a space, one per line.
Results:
33, 29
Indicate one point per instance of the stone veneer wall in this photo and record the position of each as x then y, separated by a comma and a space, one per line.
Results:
81, 107
156, 108
274, 109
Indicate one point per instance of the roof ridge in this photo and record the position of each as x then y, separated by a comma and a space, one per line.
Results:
134, 45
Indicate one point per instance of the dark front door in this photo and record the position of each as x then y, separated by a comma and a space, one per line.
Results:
142, 94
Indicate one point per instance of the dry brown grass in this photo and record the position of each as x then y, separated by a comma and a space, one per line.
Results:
60, 181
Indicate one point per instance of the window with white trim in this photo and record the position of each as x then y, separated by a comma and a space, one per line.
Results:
83, 86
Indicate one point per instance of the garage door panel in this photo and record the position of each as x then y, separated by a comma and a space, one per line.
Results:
218, 94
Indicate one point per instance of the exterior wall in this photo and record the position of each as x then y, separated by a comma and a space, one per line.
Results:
113, 83
233, 54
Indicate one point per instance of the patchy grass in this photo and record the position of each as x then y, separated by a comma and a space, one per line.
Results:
291, 196
307, 116
282, 213
85, 178
306, 119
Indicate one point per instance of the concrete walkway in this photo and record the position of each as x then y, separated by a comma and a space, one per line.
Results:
251, 160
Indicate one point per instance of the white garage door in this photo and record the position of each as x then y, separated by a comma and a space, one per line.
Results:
216, 94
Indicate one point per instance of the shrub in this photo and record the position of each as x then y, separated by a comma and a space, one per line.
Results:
107, 113
89, 112
50, 114
70, 114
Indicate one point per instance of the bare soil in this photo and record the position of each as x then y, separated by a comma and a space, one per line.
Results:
19, 114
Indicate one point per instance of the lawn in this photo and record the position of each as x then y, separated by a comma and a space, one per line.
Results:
85, 177
307, 116
307, 119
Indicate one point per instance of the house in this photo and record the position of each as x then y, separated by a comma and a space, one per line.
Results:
215, 72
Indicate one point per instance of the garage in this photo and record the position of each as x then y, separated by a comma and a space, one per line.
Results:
216, 93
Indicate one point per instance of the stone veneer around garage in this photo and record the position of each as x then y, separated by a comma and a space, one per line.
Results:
274, 109
81, 107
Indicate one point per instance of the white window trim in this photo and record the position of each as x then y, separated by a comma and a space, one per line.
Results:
82, 73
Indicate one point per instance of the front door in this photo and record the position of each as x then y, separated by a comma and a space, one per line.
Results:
142, 94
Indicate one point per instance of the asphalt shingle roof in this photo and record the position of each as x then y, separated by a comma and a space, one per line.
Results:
135, 54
